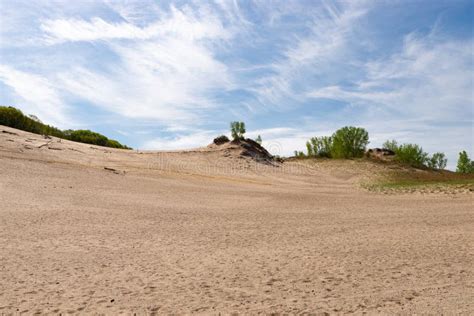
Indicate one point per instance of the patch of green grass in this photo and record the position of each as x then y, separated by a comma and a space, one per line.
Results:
404, 183
422, 180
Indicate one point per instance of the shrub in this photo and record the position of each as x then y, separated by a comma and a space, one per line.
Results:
349, 142
221, 140
411, 154
465, 165
437, 161
237, 130
299, 154
259, 140
391, 145
319, 146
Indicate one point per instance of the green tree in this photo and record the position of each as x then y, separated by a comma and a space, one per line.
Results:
349, 142
259, 140
237, 130
437, 161
391, 145
309, 149
465, 165
88, 137
411, 154
319, 146
12, 117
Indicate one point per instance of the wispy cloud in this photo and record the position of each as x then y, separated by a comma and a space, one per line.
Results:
166, 71
36, 95
428, 78
330, 28
177, 24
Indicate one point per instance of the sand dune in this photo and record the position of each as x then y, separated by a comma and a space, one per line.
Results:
86, 229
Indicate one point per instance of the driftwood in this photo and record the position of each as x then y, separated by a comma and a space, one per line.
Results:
114, 170
10, 133
45, 144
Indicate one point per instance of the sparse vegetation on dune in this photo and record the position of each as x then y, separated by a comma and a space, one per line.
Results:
392, 176
416, 168
12, 117
413, 155
351, 142
389, 176
423, 181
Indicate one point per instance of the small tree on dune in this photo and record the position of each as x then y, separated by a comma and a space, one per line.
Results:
259, 140
437, 161
237, 130
465, 165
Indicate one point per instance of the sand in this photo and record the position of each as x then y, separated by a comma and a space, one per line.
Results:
205, 231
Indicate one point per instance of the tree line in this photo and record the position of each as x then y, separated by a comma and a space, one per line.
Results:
12, 117
351, 142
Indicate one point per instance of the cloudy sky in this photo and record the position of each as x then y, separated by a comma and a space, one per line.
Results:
166, 75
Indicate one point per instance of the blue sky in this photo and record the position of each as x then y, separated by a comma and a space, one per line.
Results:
173, 74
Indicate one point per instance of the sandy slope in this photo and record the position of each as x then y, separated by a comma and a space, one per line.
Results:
204, 231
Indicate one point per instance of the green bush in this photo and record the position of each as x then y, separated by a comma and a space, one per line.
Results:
465, 165
437, 161
349, 142
12, 117
299, 154
237, 130
411, 154
391, 145
319, 146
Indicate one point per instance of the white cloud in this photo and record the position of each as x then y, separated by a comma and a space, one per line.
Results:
181, 141
167, 71
35, 95
177, 24
428, 78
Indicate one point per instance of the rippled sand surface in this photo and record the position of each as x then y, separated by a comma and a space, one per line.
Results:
85, 229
